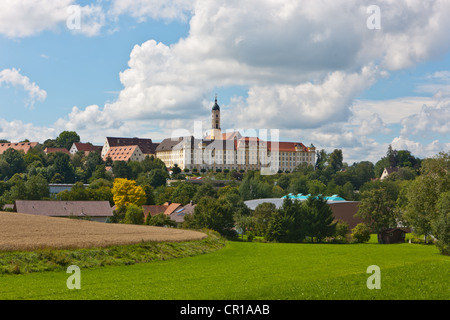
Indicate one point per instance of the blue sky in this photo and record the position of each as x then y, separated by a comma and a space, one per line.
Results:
149, 67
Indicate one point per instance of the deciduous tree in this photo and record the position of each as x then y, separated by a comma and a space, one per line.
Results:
126, 192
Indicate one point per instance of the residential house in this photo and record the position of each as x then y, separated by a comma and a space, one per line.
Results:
147, 146
387, 172
98, 211
179, 214
125, 153
85, 147
167, 208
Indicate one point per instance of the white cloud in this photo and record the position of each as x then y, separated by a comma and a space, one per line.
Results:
155, 9
13, 77
419, 149
430, 120
24, 18
16, 130
375, 125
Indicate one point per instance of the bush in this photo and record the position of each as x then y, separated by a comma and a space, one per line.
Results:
134, 215
341, 229
361, 233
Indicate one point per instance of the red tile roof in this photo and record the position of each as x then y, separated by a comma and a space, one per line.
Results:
54, 150
24, 146
64, 208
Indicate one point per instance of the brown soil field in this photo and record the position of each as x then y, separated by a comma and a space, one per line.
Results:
25, 232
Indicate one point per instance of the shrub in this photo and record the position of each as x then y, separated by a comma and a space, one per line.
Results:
341, 229
361, 233
134, 215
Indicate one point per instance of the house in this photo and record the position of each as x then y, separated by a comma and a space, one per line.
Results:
55, 150
125, 153
98, 211
147, 146
167, 208
153, 210
179, 214
20, 146
387, 172
85, 147
393, 235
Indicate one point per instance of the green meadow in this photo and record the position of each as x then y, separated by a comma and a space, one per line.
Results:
254, 271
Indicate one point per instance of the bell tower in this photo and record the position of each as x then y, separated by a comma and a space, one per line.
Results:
216, 132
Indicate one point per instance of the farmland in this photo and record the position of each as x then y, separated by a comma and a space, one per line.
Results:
30, 232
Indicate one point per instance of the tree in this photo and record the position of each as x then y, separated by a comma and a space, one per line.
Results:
134, 215
441, 225
15, 160
63, 166
335, 160
126, 192
67, 138
212, 214
149, 193
316, 187
262, 215
361, 233
322, 158
289, 223
377, 209
160, 220
176, 169
37, 188
205, 190
425, 191
121, 169
158, 177
183, 193
93, 160
320, 218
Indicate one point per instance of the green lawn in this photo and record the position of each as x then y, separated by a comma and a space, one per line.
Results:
245, 270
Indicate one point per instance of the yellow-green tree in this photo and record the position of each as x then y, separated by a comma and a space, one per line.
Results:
126, 192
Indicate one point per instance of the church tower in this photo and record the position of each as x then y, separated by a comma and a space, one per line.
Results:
216, 132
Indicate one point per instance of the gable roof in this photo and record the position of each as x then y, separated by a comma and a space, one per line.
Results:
153, 210
64, 208
146, 145
54, 150
391, 170
171, 208
122, 153
87, 147
24, 146
179, 214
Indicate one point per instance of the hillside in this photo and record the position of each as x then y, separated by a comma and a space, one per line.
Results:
29, 232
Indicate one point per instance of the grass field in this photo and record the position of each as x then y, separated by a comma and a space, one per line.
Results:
246, 270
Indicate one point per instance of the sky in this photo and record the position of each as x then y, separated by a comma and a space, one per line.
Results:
354, 75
